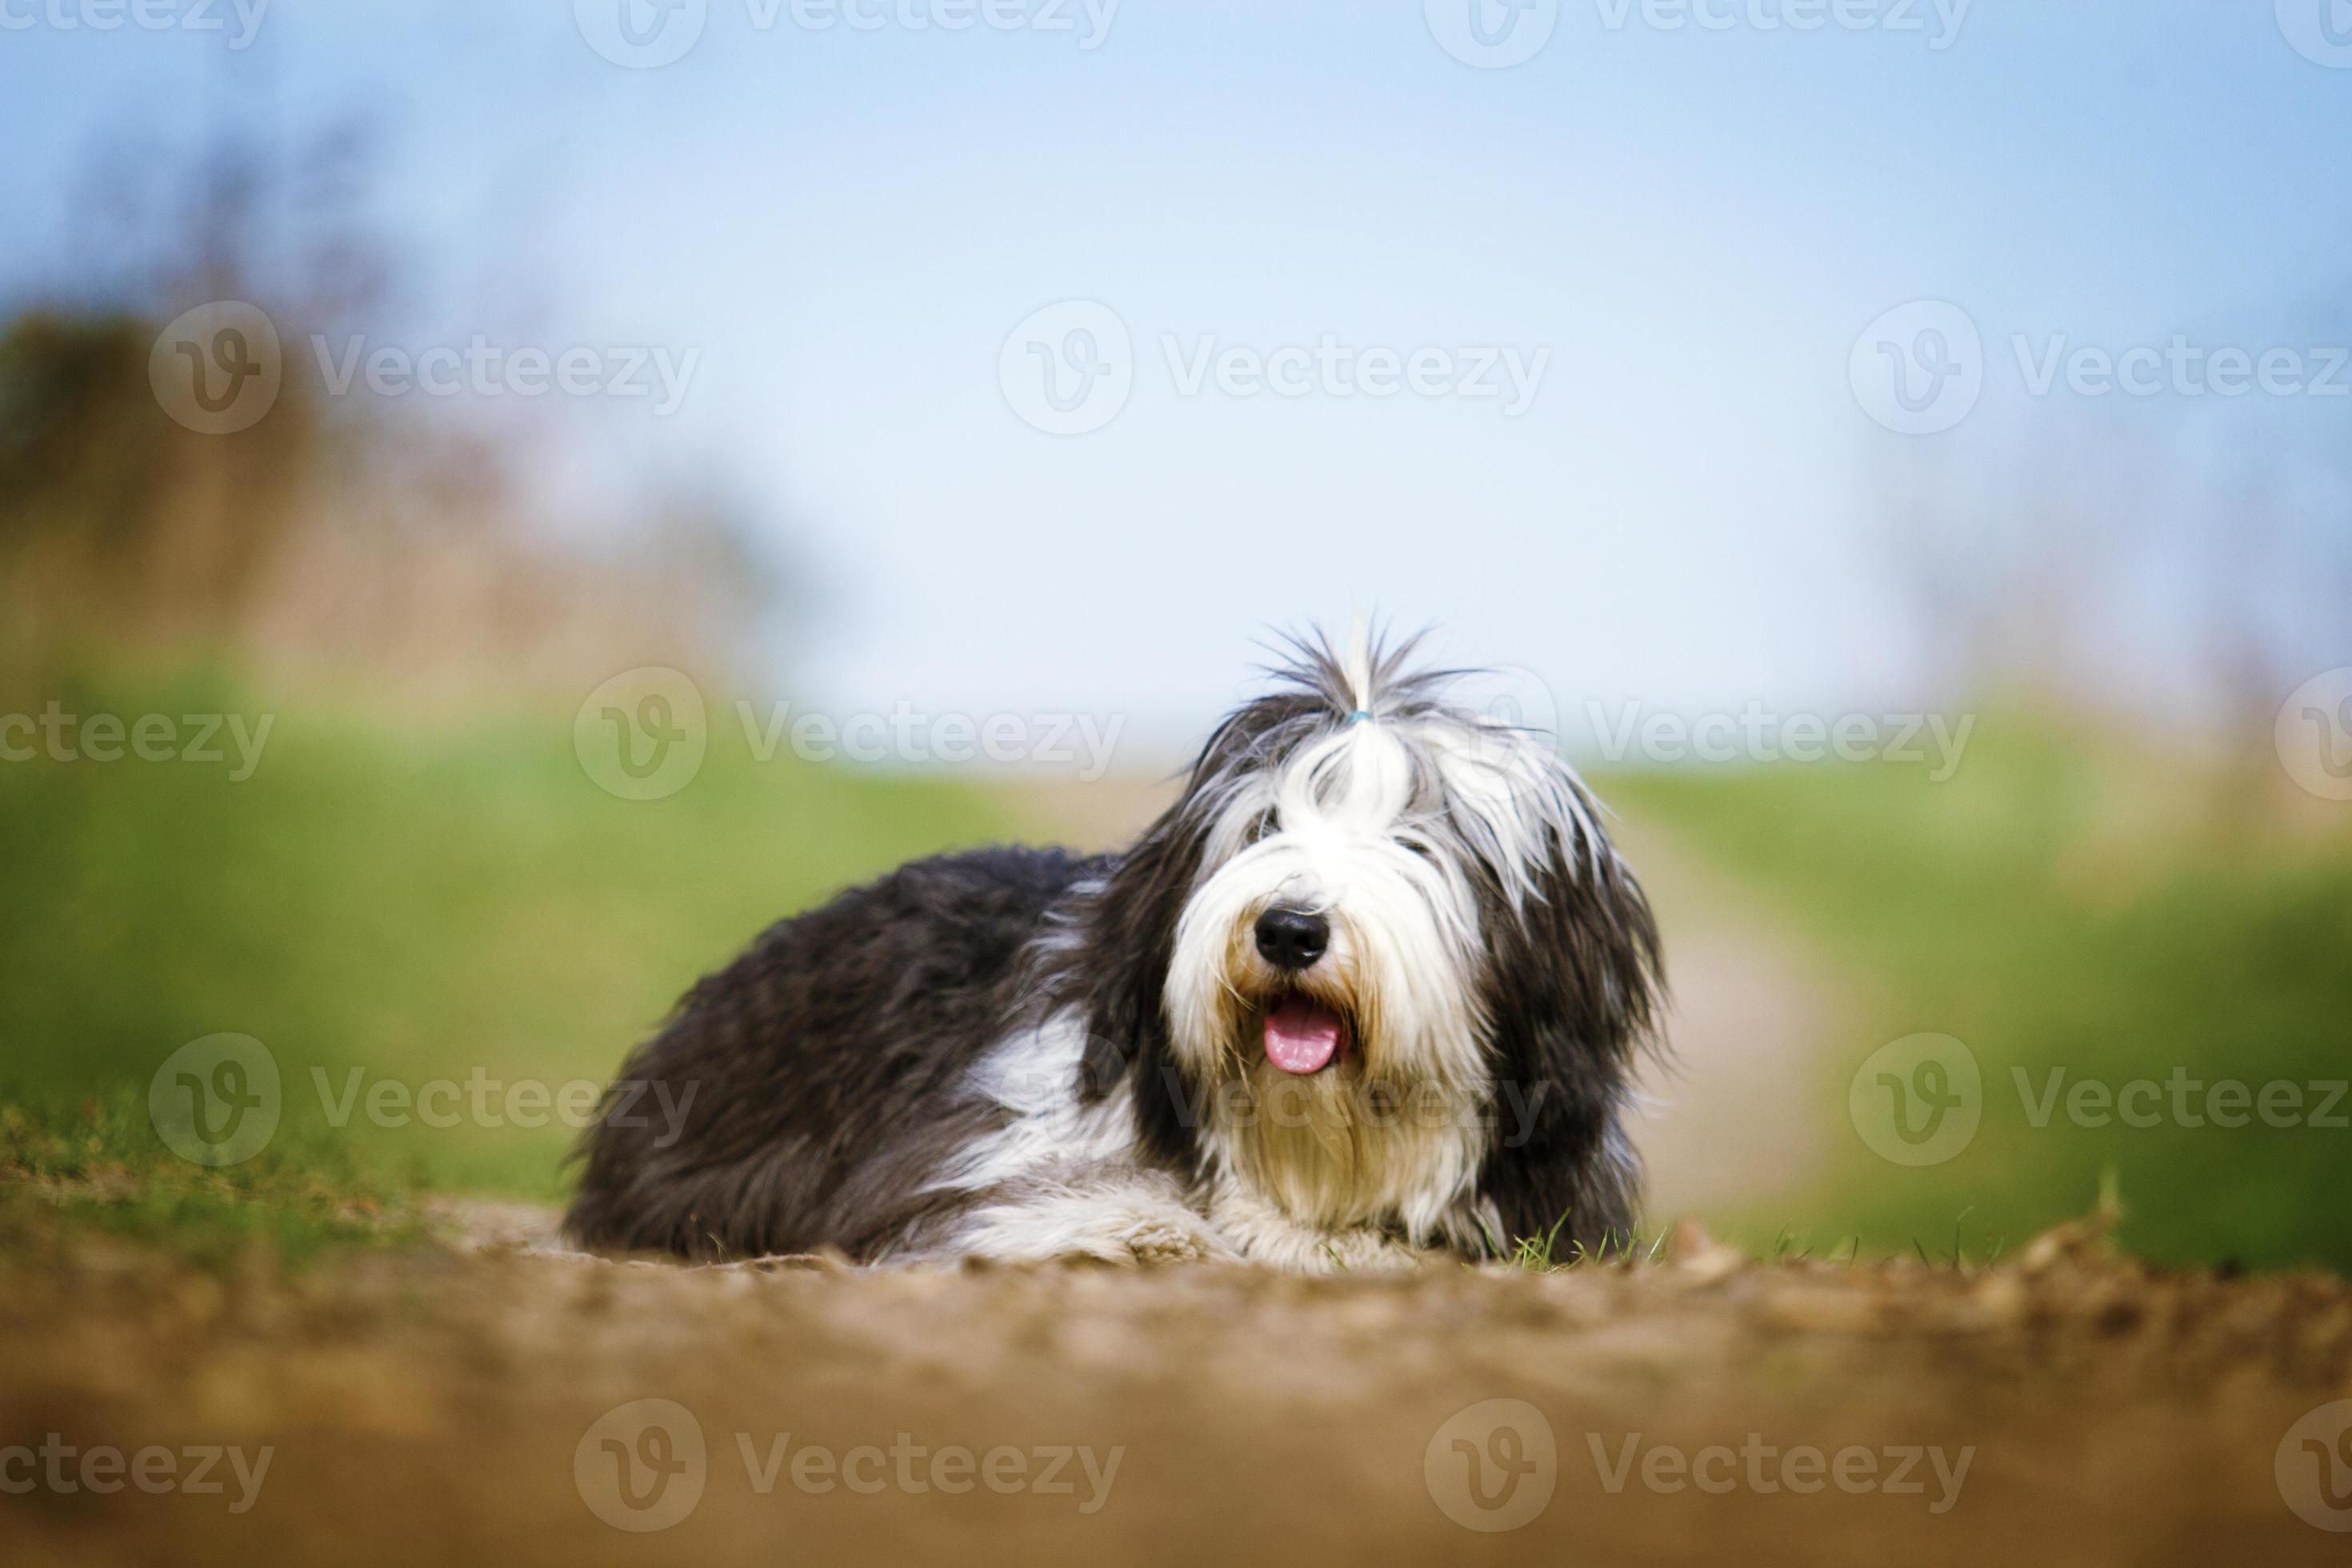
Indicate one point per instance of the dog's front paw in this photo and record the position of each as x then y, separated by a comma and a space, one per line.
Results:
1171, 1241
1121, 1225
1362, 1252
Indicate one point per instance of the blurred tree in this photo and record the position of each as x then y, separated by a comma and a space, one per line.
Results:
397, 542
116, 523
2182, 560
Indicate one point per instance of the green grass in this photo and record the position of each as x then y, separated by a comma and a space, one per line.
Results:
95, 1168
2057, 907
410, 902
1545, 1254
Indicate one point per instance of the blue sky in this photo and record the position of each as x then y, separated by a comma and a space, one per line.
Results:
1694, 224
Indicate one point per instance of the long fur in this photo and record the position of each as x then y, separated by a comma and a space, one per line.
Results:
1024, 1054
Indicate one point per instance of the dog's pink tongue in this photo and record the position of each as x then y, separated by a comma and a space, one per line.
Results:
1302, 1036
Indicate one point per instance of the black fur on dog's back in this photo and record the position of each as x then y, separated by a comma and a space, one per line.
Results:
828, 1066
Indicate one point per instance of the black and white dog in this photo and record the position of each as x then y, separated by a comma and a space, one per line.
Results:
1371, 988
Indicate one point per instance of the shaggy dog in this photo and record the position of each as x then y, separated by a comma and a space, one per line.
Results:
1371, 988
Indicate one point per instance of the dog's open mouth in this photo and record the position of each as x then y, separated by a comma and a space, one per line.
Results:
1302, 1035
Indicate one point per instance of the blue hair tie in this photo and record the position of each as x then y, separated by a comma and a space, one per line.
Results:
1359, 715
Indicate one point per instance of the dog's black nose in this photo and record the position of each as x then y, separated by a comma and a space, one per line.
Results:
1292, 939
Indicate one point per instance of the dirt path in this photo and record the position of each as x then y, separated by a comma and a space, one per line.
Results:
1737, 1115
449, 1407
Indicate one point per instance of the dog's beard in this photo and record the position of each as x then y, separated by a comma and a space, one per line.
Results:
1367, 1137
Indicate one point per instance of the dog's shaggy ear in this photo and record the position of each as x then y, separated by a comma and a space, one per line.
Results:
1128, 939
1125, 935
1575, 988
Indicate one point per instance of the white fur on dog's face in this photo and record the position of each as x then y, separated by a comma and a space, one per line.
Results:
1390, 826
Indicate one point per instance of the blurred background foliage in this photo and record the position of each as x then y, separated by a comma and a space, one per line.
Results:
2097, 911
347, 542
